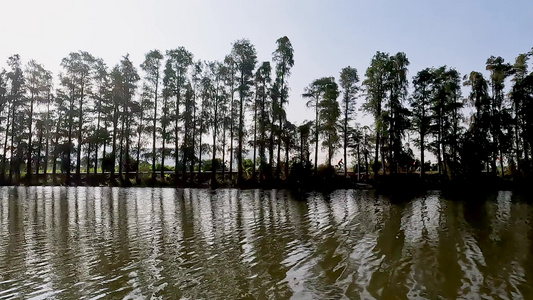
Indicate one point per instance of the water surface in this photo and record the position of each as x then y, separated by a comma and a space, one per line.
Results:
90, 243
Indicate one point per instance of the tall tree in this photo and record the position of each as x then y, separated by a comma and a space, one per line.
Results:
348, 83
283, 56
36, 81
375, 91
231, 67
245, 58
420, 103
480, 124
518, 98
216, 70
152, 68
445, 105
5, 108
397, 116
15, 97
78, 67
178, 61
499, 72
130, 78
102, 106
314, 92
262, 81
329, 115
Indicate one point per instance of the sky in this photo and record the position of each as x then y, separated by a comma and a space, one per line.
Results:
326, 35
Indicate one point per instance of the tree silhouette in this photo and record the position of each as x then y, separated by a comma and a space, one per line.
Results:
244, 54
348, 80
284, 59
152, 68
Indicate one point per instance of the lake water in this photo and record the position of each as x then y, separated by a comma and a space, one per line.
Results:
90, 243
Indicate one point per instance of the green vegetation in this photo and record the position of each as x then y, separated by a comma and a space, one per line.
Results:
119, 124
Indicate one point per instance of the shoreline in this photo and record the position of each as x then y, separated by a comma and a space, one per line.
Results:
400, 184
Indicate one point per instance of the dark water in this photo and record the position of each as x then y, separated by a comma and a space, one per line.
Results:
90, 243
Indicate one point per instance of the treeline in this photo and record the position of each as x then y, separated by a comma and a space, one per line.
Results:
225, 115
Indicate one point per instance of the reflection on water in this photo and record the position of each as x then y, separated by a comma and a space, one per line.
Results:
87, 243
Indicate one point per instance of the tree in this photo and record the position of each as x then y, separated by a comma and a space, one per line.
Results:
141, 108
314, 92
283, 56
348, 82
518, 98
304, 133
289, 141
397, 116
445, 106
178, 62
5, 108
231, 71
262, 81
244, 54
77, 78
216, 70
15, 98
322, 94
207, 95
420, 104
37, 83
499, 72
152, 68
375, 91
480, 124
328, 115
130, 78
102, 106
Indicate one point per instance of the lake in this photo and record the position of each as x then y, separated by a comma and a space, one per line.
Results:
136, 243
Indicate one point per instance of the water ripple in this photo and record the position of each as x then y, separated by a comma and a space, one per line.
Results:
93, 243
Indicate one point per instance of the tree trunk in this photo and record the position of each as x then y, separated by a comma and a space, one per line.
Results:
287, 158
80, 127
154, 129
11, 163
127, 152
224, 149
231, 145
262, 129
366, 163
176, 137
358, 162
30, 136
114, 146
121, 142
56, 143
255, 137
213, 157
501, 163
375, 168
98, 118
316, 135
193, 139
140, 130
345, 137
200, 148
241, 133
4, 152
278, 165
163, 138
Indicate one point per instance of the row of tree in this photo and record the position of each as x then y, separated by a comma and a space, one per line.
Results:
184, 110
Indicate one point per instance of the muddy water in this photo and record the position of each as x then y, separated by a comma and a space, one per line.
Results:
90, 243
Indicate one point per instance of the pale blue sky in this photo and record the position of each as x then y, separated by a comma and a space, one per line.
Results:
326, 35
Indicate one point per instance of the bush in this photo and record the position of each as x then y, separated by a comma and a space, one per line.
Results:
208, 164
167, 168
326, 171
